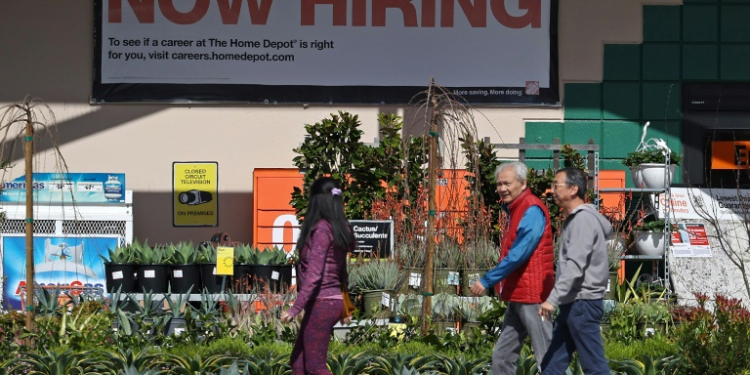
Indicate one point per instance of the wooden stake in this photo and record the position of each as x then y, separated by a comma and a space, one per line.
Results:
29, 151
428, 276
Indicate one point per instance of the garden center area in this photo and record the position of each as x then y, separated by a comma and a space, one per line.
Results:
157, 156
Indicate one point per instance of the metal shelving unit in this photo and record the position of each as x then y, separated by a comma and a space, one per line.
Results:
666, 212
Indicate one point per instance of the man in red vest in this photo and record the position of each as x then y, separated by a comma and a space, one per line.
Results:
526, 270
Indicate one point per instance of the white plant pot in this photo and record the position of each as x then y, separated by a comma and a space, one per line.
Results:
653, 175
649, 243
637, 176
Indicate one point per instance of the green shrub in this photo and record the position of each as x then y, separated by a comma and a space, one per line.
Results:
658, 346
715, 342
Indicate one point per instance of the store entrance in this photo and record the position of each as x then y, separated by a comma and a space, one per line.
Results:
716, 134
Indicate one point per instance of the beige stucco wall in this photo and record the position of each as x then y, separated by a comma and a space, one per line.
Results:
47, 49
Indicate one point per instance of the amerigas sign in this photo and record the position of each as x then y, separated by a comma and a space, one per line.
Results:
325, 50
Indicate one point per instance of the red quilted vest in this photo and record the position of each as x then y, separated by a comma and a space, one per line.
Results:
533, 281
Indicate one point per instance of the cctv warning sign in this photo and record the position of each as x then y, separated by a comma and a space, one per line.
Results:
195, 195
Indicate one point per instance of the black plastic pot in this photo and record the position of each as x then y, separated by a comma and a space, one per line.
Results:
120, 276
185, 276
153, 278
210, 281
242, 281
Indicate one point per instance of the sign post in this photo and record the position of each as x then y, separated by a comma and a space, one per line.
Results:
195, 195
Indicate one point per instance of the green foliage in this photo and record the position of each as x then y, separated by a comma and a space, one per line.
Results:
655, 156
652, 225
12, 324
183, 253
333, 148
481, 162
351, 363
646, 365
375, 274
656, 346
120, 255
448, 254
55, 362
715, 342
189, 365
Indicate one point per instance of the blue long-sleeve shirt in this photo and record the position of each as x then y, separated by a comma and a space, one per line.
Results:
530, 231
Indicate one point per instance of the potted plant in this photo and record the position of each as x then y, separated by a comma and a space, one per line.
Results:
616, 247
266, 270
244, 261
480, 256
178, 308
444, 310
283, 264
152, 270
470, 309
376, 280
120, 269
649, 237
206, 260
448, 260
411, 257
184, 271
648, 167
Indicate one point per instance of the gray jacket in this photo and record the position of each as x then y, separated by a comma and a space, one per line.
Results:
582, 265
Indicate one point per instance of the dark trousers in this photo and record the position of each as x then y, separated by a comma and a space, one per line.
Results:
577, 328
311, 347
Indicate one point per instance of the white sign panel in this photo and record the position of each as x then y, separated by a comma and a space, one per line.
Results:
499, 50
718, 204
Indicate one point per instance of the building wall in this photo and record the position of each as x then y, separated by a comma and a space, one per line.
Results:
700, 41
47, 49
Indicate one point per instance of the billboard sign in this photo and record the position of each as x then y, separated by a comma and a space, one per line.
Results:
323, 51
73, 264
67, 188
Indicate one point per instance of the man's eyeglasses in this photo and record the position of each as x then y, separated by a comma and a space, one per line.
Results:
558, 185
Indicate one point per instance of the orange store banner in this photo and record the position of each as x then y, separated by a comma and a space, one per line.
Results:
730, 155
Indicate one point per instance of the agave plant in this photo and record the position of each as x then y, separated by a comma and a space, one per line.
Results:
206, 254
245, 254
461, 366
183, 253
269, 365
192, 363
445, 306
448, 255
399, 364
376, 274
56, 362
472, 308
348, 363
480, 254
120, 255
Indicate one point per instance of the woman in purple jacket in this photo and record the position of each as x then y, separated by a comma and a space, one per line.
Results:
324, 241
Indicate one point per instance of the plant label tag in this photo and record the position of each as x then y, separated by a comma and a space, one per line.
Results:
453, 278
214, 271
385, 299
274, 275
474, 277
179, 330
177, 274
415, 280
117, 275
609, 282
149, 274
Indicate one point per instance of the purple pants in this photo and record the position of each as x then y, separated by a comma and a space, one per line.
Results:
311, 348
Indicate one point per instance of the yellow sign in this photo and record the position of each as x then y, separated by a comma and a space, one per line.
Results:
225, 261
195, 195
